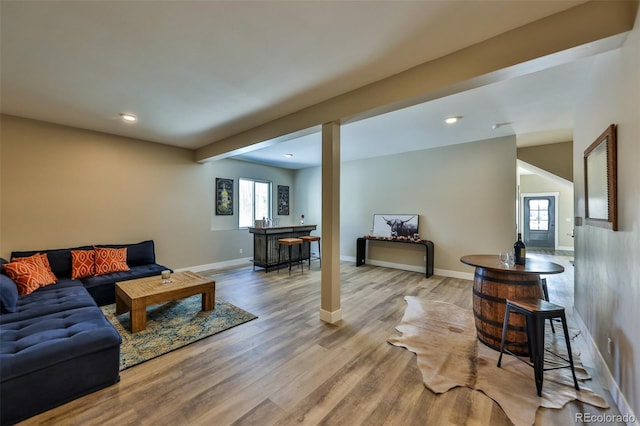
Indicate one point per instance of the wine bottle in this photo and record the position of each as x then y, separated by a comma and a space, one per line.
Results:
519, 251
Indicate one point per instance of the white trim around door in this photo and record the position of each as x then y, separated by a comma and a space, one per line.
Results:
556, 195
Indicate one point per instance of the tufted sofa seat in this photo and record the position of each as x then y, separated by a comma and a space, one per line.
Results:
56, 346
63, 296
55, 343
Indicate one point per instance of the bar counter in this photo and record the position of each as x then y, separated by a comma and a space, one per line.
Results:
265, 245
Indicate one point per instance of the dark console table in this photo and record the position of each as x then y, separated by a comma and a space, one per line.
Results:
265, 245
361, 249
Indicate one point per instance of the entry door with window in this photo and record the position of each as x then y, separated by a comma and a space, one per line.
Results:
539, 222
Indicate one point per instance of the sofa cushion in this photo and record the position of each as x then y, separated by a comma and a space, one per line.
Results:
54, 359
132, 273
138, 254
83, 263
140, 259
65, 295
8, 294
59, 259
29, 276
110, 260
61, 283
37, 343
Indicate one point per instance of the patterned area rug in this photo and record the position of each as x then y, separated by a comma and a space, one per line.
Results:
172, 325
443, 336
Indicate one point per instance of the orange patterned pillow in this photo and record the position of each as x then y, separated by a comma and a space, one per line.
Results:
110, 260
83, 263
41, 261
45, 261
28, 276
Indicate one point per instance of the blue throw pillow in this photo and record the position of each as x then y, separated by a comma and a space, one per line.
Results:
8, 294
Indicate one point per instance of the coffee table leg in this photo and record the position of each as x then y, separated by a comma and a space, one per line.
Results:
121, 306
138, 316
209, 300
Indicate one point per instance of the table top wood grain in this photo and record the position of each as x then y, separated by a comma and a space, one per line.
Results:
150, 286
532, 266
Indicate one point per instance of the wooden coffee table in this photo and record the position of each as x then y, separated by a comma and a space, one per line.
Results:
135, 295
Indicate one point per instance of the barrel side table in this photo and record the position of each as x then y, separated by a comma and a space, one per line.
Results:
493, 284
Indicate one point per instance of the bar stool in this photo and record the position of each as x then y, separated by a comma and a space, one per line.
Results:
537, 312
290, 242
545, 293
309, 239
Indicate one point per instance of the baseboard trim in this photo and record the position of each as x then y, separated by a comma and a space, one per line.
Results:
454, 274
413, 268
218, 265
247, 260
393, 265
331, 317
566, 248
604, 374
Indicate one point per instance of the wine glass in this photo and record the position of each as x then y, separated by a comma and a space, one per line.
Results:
509, 261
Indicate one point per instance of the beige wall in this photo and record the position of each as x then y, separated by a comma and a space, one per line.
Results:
464, 194
308, 196
607, 263
62, 187
555, 158
539, 184
227, 240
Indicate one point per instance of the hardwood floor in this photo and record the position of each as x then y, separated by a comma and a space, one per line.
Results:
288, 367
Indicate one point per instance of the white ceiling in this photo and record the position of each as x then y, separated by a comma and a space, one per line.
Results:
195, 72
537, 108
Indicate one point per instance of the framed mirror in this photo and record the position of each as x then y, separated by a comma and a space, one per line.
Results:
600, 181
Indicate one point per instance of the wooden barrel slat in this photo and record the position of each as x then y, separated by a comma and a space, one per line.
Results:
490, 291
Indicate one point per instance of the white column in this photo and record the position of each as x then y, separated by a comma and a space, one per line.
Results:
330, 310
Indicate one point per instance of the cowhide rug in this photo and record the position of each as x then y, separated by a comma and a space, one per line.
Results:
443, 336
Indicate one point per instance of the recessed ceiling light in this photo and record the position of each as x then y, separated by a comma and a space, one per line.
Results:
129, 118
453, 119
289, 155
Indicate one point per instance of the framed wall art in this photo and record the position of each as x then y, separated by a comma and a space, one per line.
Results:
224, 196
283, 200
395, 225
600, 181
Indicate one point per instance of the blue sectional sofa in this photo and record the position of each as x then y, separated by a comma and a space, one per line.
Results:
55, 343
